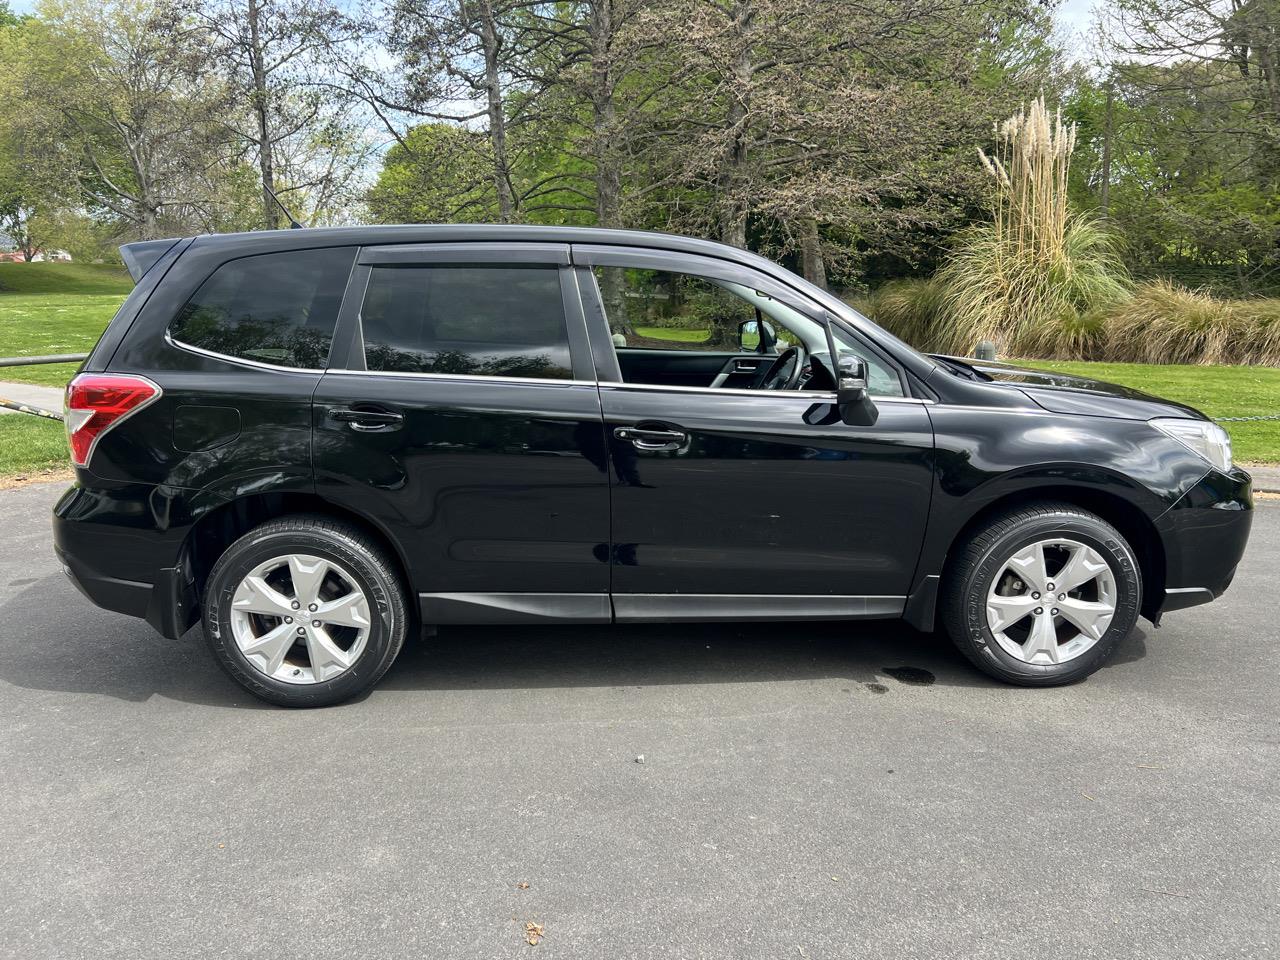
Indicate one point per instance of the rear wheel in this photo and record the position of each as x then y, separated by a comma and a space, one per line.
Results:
1042, 595
305, 611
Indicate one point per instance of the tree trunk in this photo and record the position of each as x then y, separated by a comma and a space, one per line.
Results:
491, 44
608, 175
1104, 205
733, 206
815, 269
266, 165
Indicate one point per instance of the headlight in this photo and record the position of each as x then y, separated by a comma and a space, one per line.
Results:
1205, 438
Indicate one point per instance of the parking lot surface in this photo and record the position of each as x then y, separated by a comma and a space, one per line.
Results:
813, 790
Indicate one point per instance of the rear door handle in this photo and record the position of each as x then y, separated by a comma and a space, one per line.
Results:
650, 439
367, 418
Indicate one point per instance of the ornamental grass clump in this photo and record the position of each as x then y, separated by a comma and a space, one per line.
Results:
1038, 279
1167, 323
912, 310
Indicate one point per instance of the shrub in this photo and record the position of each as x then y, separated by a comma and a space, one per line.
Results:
1029, 304
912, 310
1166, 323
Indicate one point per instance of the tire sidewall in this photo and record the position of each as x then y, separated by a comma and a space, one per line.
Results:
387, 615
1110, 546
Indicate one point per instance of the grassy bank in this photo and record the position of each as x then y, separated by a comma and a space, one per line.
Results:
55, 308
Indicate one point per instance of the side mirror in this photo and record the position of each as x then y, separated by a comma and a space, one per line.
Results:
852, 386
756, 336
852, 399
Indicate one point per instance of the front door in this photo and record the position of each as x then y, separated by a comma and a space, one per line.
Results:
463, 420
733, 502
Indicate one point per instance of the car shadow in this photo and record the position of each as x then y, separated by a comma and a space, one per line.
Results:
52, 639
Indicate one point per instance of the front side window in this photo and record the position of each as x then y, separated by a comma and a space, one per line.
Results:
663, 310
659, 310
277, 308
489, 320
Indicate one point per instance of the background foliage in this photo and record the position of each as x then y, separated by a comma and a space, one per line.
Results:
840, 137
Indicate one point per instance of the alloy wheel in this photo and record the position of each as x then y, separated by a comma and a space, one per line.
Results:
1051, 601
300, 619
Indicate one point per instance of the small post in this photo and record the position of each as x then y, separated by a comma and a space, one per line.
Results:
986, 351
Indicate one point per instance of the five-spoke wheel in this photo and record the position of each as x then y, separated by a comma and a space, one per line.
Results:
1041, 595
300, 619
1052, 601
305, 611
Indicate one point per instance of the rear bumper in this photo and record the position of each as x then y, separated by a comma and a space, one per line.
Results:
121, 546
1204, 536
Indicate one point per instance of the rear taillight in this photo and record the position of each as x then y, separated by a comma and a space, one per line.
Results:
96, 402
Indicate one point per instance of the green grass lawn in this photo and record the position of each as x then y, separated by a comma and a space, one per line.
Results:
49, 308
55, 308
29, 444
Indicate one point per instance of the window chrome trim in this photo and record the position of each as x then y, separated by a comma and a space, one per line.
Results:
480, 377
243, 361
812, 395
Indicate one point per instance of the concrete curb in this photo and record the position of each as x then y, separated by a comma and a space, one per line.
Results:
1266, 477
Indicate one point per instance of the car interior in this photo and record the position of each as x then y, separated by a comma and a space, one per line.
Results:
763, 344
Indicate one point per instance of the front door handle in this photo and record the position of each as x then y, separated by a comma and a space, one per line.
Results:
367, 418
650, 439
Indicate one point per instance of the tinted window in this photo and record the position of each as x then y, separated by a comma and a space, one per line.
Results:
502, 321
276, 308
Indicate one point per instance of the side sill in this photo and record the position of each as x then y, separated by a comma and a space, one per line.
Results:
497, 608
638, 607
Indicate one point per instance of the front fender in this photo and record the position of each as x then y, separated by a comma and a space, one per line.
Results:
985, 457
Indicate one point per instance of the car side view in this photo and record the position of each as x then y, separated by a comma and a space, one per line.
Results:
320, 442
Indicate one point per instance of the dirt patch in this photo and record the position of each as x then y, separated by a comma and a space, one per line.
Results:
50, 475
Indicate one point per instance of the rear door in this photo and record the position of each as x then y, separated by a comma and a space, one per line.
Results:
751, 503
461, 415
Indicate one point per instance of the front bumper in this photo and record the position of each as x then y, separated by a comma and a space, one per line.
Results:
1204, 537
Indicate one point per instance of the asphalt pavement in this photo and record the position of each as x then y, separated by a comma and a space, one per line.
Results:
806, 791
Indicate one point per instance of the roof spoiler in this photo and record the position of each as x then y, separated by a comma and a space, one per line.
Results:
141, 256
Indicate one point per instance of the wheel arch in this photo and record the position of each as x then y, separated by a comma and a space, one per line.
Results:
220, 526
1133, 523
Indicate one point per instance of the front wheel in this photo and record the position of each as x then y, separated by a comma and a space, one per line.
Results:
1042, 595
305, 611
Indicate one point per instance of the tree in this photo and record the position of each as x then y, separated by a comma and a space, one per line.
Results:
1194, 147
274, 57
437, 173
118, 101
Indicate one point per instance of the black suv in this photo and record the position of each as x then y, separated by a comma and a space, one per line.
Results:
322, 440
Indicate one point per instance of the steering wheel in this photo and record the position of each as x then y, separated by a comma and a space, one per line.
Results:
784, 373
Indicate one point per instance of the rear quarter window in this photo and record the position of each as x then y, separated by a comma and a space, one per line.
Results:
277, 308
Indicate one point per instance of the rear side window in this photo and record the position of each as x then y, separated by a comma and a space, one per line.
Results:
277, 308
498, 320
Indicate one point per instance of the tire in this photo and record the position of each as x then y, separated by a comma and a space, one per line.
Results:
356, 587
999, 552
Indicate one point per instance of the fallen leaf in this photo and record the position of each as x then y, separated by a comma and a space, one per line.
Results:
532, 933
522, 885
